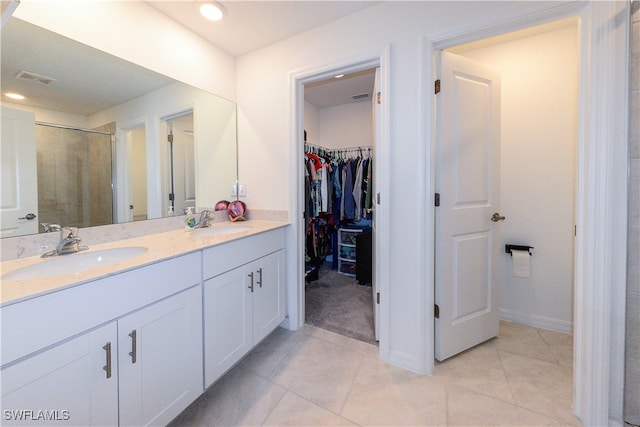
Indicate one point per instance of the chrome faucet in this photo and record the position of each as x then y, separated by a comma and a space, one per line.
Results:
205, 219
69, 243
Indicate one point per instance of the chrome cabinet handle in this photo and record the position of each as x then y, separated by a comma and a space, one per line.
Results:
260, 273
134, 352
497, 217
107, 367
250, 275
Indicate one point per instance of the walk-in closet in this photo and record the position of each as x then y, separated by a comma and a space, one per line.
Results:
339, 182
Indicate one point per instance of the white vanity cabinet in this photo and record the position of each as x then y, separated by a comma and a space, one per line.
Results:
73, 383
160, 359
244, 298
126, 349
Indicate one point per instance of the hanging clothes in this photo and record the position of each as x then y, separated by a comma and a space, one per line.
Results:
324, 187
349, 212
368, 187
337, 190
357, 191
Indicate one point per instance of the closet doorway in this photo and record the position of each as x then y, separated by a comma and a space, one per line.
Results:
339, 148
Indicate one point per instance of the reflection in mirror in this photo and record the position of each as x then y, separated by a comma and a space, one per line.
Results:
182, 184
74, 172
142, 175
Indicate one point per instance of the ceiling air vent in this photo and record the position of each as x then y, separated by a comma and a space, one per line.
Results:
27, 75
360, 96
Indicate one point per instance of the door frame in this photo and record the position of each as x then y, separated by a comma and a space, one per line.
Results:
295, 258
601, 198
123, 165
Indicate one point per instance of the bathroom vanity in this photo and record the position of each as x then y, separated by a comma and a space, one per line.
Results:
136, 341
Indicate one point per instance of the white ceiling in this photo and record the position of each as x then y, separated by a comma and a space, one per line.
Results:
340, 91
250, 25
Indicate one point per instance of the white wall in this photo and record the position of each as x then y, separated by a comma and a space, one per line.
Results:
50, 116
348, 125
312, 122
266, 107
539, 135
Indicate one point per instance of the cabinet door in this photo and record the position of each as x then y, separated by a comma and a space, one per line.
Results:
160, 359
227, 320
269, 295
68, 384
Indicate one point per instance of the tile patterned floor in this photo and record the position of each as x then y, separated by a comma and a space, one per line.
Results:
314, 377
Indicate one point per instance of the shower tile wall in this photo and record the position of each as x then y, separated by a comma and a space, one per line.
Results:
100, 195
72, 189
632, 365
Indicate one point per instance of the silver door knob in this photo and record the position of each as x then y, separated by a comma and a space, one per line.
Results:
28, 216
497, 217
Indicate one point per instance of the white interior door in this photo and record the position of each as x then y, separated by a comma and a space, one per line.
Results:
376, 136
468, 184
19, 209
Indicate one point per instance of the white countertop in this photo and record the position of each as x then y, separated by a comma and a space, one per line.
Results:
160, 246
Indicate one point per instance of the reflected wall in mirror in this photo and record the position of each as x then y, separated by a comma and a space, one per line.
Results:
70, 84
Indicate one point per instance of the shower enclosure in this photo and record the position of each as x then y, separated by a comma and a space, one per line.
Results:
75, 175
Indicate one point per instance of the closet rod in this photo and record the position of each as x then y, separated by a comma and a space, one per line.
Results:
308, 144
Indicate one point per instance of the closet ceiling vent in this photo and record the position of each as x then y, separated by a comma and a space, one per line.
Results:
360, 96
27, 75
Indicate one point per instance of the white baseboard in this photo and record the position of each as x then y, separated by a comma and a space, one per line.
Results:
537, 321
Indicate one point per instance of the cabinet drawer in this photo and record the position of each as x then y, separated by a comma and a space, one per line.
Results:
348, 267
222, 258
37, 323
348, 237
348, 252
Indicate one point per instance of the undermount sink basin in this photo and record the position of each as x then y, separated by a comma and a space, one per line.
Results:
74, 263
219, 230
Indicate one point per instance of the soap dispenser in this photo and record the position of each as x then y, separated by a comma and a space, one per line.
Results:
190, 223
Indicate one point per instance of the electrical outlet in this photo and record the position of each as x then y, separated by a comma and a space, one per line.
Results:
233, 190
243, 190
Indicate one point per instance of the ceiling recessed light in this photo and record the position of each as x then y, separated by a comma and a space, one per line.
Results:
212, 10
15, 96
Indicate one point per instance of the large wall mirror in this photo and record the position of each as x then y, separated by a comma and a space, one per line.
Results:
98, 140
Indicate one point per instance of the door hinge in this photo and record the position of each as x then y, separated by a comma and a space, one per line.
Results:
436, 311
437, 86
378, 298
575, 230
437, 199
379, 98
378, 198
170, 137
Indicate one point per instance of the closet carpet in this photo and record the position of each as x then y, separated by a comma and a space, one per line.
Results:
337, 303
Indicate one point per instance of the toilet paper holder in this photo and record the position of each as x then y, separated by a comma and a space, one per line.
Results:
508, 248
